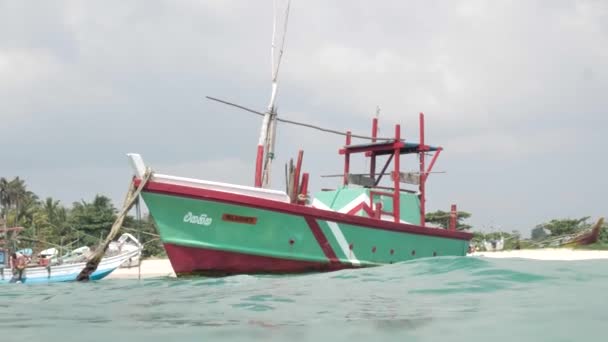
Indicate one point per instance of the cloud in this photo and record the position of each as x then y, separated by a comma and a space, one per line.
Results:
82, 83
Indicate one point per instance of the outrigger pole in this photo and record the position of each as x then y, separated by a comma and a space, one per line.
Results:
131, 198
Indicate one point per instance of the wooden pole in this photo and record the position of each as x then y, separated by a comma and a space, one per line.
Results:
347, 158
132, 195
372, 166
296, 178
453, 217
396, 185
139, 259
422, 186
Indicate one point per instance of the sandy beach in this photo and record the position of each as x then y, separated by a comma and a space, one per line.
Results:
546, 254
152, 268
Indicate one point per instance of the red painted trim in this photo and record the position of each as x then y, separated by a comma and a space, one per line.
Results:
362, 206
296, 177
373, 193
372, 166
378, 213
347, 158
430, 168
294, 209
258, 166
389, 146
304, 187
453, 217
203, 261
322, 240
396, 180
422, 185
240, 219
380, 193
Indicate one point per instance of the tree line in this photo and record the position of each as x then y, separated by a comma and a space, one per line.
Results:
513, 239
49, 223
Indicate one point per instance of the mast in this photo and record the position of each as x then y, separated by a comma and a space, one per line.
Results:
266, 143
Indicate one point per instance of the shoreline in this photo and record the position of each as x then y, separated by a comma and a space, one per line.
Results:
155, 268
557, 254
150, 268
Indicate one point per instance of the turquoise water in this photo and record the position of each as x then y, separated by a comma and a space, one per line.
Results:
436, 299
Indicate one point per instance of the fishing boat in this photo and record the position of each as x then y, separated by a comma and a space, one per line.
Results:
580, 238
127, 242
67, 268
215, 229
585, 237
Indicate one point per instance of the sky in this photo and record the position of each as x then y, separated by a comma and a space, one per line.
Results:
516, 92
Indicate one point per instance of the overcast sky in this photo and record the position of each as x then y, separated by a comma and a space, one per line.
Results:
515, 91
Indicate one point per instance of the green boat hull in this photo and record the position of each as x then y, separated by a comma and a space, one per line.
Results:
216, 233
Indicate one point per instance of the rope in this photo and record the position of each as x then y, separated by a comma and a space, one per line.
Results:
327, 130
137, 231
130, 199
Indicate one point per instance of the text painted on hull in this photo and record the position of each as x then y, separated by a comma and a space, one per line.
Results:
201, 219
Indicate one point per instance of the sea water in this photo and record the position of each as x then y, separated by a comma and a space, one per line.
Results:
435, 299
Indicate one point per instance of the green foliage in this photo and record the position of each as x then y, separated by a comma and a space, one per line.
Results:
145, 231
538, 233
17, 204
512, 240
564, 226
442, 219
93, 219
48, 223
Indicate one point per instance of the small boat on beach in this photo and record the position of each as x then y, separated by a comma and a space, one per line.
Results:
580, 238
127, 242
49, 268
494, 245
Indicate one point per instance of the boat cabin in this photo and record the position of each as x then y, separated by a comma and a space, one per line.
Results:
362, 194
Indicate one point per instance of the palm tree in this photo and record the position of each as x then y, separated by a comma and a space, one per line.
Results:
4, 198
51, 208
17, 193
93, 219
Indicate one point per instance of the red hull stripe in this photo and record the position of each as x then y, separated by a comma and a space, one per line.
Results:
194, 260
362, 206
322, 240
300, 210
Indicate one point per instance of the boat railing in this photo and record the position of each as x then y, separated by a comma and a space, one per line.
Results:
393, 149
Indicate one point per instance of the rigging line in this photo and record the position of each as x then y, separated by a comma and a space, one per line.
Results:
377, 174
327, 130
139, 231
282, 47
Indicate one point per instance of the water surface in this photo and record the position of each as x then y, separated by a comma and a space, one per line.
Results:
435, 299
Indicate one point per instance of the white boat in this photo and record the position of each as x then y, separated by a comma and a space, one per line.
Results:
126, 242
68, 270
494, 245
